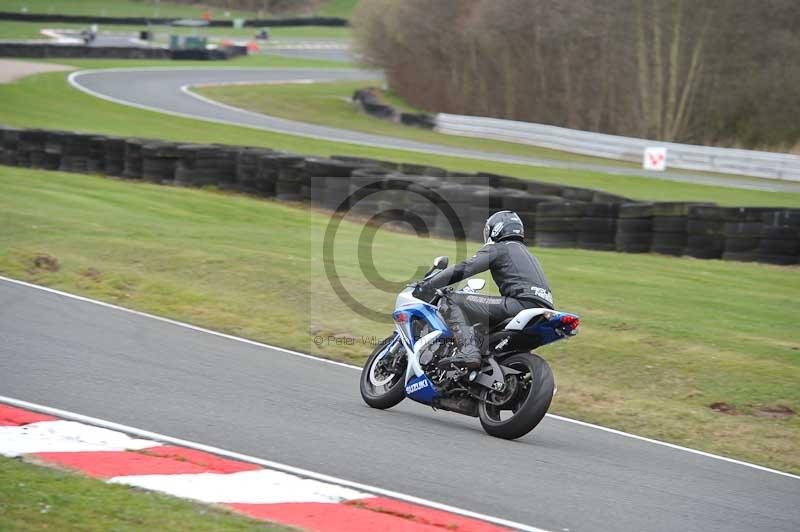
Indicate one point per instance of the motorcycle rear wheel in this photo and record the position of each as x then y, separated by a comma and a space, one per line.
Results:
529, 404
379, 388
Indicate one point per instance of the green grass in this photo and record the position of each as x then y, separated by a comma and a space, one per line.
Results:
328, 104
338, 8
662, 338
40, 498
250, 61
30, 103
32, 30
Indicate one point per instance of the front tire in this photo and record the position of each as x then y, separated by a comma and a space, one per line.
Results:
381, 384
529, 403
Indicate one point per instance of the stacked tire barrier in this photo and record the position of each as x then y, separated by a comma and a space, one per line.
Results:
139, 21
634, 233
132, 168
743, 227
202, 165
705, 231
329, 181
780, 238
368, 101
78, 51
423, 199
248, 172
9, 142
75, 51
670, 228
159, 161
96, 162
598, 226
74, 153
558, 223
114, 160
292, 183
31, 148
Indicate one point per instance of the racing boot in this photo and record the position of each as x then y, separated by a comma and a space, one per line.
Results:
468, 355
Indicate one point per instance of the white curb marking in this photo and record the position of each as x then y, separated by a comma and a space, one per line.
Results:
262, 486
66, 414
63, 437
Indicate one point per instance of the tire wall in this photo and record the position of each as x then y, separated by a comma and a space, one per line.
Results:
427, 200
368, 102
45, 50
136, 21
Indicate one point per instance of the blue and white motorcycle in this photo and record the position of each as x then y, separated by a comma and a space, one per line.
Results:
510, 393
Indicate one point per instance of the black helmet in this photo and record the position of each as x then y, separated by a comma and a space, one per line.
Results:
501, 226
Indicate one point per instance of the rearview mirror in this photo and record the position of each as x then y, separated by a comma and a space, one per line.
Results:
440, 262
476, 284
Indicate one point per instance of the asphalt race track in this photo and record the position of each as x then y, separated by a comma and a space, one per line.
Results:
159, 89
131, 369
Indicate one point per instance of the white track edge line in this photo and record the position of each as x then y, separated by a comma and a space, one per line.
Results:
178, 323
66, 414
351, 366
506, 160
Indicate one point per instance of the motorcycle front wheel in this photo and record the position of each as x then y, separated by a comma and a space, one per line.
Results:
383, 375
516, 410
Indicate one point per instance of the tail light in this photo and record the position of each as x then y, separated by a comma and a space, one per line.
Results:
570, 321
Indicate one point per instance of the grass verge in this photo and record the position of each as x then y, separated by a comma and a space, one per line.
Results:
30, 103
329, 104
338, 8
33, 497
662, 338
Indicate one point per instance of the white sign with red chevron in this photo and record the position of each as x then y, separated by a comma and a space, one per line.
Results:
655, 158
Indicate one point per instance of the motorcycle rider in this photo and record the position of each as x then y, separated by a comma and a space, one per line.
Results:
517, 273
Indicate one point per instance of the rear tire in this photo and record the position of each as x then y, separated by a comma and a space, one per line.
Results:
390, 393
528, 409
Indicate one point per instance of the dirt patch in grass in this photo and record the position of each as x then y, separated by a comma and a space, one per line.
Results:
776, 411
723, 408
92, 274
46, 262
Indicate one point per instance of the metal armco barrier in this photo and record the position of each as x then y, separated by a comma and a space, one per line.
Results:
702, 158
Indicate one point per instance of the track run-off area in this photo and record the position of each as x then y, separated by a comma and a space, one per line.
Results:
157, 375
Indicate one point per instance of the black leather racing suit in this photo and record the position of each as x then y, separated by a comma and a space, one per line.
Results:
518, 275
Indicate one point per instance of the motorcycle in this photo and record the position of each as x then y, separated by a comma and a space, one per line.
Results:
510, 393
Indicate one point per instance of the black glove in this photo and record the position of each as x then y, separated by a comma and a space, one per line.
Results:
424, 292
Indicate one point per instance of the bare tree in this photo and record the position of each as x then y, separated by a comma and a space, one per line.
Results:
689, 71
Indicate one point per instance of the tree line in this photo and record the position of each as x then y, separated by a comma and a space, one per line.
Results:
724, 72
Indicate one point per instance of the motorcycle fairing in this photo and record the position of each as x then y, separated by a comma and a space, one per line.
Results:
404, 318
421, 389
